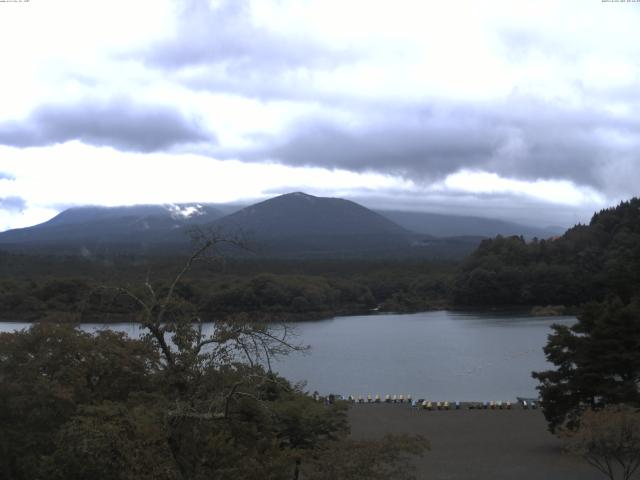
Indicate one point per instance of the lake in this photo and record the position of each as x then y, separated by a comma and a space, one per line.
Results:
437, 355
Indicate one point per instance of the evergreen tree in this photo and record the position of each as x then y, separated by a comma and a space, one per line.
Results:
597, 362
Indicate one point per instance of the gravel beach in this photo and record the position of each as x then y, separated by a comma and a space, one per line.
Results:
476, 444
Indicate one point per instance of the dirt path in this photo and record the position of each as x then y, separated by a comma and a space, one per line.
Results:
476, 444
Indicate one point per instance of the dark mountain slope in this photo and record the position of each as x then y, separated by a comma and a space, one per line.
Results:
299, 214
301, 224
294, 225
98, 228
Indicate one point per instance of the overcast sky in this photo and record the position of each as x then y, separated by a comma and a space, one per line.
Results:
524, 110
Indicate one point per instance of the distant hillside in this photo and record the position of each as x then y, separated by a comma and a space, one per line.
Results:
588, 262
111, 228
298, 224
441, 225
294, 225
300, 215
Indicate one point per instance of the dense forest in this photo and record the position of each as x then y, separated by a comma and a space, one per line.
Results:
77, 289
589, 262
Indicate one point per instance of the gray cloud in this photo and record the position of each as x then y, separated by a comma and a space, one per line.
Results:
13, 204
257, 84
225, 34
519, 42
417, 149
502, 206
519, 138
233, 54
119, 123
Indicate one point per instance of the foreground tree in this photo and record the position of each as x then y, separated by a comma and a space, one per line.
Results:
609, 440
48, 372
183, 402
597, 363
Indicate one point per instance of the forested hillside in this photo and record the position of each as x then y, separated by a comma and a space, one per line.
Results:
77, 289
588, 262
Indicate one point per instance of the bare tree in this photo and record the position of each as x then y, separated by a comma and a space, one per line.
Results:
609, 440
189, 349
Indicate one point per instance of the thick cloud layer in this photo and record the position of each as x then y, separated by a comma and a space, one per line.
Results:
120, 124
517, 139
576, 136
502, 106
224, 34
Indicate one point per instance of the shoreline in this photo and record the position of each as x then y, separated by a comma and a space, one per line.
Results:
290, 317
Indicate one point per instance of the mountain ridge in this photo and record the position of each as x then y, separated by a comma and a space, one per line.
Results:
445, 225
299, 213
95, 226
293, 224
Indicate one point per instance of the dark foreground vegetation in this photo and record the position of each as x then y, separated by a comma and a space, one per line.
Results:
78, 406
597, 363
176, 404
592, 396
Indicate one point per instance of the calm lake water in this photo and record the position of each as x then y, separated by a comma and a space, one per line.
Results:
436, 355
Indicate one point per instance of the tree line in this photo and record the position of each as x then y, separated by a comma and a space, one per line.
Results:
588, 263
267, 289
